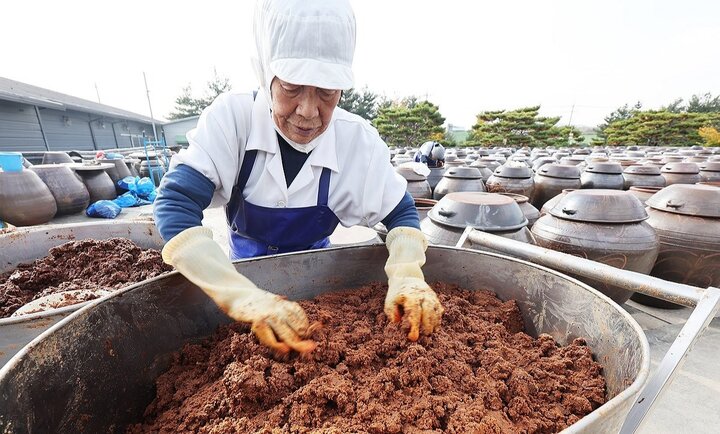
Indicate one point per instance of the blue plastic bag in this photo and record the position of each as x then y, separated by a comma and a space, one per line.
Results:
106, 209
130, 199
142, 188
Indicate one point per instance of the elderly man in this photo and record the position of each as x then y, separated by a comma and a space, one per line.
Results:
290, 166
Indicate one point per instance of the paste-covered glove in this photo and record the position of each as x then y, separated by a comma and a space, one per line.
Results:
201, 260
406, 283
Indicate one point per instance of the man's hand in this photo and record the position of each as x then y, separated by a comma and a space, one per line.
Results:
278, 323
406, 283
419, 304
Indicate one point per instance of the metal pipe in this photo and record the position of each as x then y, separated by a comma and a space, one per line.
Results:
678, 293
42, 130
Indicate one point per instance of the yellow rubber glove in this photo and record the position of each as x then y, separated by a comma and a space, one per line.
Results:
406, 283
278, 323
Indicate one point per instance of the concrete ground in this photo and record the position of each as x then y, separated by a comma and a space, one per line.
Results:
690, 404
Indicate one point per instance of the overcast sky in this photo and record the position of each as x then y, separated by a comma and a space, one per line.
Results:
466, 56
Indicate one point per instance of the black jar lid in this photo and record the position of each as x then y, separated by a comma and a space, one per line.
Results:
600, 206
688, 199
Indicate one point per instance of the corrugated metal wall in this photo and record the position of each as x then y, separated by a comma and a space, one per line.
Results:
175, 131
19, 128
65, 130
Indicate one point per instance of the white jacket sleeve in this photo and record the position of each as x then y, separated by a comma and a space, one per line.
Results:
218, 140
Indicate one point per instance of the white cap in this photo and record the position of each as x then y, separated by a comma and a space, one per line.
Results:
305, 42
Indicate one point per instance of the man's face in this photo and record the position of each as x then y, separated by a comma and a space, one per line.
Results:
302, 112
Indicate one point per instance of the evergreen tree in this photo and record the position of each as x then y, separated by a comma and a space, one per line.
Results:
660, 128
186, 105
404, 125
520, 127
363, 104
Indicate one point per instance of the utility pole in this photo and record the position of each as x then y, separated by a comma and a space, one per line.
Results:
572, 110
155, 136
97, 92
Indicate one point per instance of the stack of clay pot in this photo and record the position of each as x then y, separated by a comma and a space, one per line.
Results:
603, 225
71, 195
459, 179
25, 200
488, 212
687, 220
512, 178
552, 179
602, 175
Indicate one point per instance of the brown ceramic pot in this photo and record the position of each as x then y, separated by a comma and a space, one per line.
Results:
436, 174
459, 179
530, 212
687, 220
644, 193
552, 179
681, 173
417, 184
118, 171
606, 175
602, 225
96, 180
710, 171
67, 188
423, 206
643, 176
487, 212
512, 179
56, 158
24, 199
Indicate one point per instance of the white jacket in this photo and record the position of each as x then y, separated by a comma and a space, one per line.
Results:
364, 187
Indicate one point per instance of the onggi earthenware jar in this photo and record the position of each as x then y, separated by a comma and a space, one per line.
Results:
414, 174
530, 212
687, 220
512, 178
681, 173
551, 179
644, 193
602, 225
25, 200
483, 168
117, 172
436, 174
96, 180
67, 188
607, 175
489, 212
642, 176
710, 171
457, 179
55, 157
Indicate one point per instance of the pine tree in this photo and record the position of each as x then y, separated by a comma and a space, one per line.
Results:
410, 123
520, 127
186, 105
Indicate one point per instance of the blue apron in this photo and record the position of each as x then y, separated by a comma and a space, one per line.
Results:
258, 230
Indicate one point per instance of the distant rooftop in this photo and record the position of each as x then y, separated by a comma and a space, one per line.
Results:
15, 91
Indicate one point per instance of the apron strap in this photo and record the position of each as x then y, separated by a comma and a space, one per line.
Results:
324, 188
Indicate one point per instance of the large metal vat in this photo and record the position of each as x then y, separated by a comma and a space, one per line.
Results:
26, 245
95, 371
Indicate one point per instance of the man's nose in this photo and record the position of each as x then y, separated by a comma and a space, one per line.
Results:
308, 106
